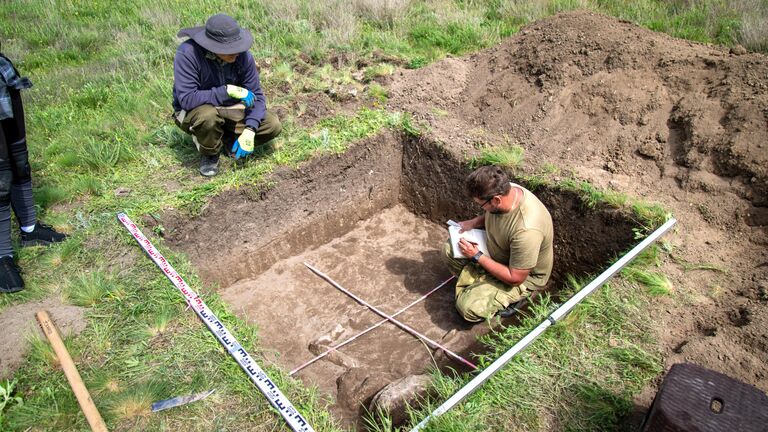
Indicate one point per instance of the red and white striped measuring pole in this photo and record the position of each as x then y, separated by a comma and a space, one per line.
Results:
273, 394
389, 318
378, 324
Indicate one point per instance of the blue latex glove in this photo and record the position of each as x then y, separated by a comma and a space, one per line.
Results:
241, 93
249, 100
244, 144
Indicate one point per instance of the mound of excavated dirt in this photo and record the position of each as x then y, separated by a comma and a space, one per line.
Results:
666, 120
582, 87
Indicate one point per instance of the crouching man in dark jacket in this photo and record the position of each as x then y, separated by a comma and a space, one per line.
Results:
217, 96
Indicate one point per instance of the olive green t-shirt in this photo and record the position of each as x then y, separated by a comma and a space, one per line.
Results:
523, 238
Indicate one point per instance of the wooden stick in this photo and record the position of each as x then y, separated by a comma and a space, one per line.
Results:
78, 387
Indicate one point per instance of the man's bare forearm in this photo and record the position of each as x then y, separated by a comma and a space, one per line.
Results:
509, 276
499, 271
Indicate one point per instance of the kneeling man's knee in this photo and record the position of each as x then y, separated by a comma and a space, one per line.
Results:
271, 126
447, 253
474, 309
205, 118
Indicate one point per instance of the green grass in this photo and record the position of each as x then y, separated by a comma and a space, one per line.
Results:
596, 358
8, 397
508, 157
378, 93
592, 196
378, 70
90, 289
689, 266
101, 141
656, 283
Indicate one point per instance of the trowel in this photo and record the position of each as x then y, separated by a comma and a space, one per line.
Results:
180, 400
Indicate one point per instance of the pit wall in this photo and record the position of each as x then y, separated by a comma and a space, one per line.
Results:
585, 239
241, 233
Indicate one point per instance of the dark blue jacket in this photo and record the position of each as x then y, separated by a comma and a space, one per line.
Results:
199, 78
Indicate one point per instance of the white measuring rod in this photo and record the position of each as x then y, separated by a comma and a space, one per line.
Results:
275, 397
555, 316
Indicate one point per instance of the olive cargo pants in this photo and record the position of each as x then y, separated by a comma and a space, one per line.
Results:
211, 126
479, 295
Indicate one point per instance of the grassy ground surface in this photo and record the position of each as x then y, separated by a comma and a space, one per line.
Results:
101, 141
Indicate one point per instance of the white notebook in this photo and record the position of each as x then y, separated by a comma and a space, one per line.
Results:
476, 236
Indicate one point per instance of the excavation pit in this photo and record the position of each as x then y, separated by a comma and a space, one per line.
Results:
372, 219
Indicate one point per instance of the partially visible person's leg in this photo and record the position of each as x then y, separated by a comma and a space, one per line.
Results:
480, 296
10, 277
18, 157
10, 274
22, 202
6, 178
269, 129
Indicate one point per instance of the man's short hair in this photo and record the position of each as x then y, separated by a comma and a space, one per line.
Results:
487, 181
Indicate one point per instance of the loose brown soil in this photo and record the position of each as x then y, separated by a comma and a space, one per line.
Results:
669, 121
627, 109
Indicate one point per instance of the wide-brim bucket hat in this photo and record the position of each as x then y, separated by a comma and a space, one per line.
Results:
220, 35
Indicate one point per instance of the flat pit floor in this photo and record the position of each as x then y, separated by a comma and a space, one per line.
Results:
388, 260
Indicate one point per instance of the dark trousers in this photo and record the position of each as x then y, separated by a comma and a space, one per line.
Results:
15, 174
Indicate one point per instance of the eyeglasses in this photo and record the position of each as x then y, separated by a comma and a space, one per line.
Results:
482, 206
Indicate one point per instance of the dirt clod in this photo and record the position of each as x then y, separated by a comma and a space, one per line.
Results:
357, 386
397, 395
738, 50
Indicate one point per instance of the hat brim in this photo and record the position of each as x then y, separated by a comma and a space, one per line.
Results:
198, 35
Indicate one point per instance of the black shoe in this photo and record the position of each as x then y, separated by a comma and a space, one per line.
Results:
512, 308
209, 165
10, 279
42, 235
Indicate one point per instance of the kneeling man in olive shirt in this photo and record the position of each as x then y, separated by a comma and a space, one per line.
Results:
519, 231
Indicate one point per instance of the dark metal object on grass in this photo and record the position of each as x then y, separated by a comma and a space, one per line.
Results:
693, 398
